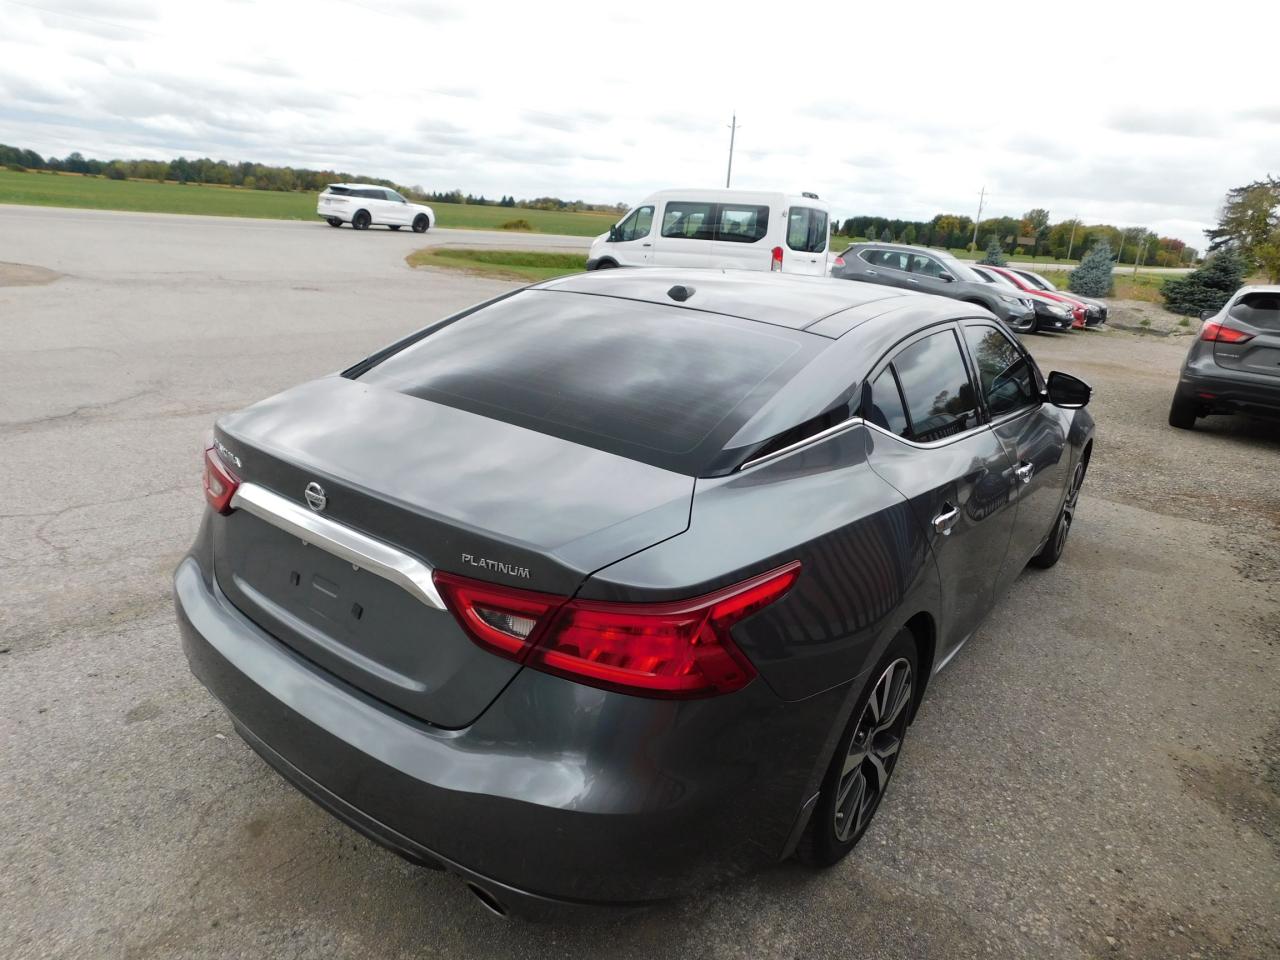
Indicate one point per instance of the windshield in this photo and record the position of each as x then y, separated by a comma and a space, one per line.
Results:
1036, 280
999, 279
961, 271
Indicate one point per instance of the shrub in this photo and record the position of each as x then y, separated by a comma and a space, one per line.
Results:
995, 254
1093, 277
521, 224
1207, 288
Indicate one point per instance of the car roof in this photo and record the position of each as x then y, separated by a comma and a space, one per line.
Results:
908, 247
719, 194
821, 305
362, 186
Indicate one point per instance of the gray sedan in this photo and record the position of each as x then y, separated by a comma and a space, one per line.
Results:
612, 586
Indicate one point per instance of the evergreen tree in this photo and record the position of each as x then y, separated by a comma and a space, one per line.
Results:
909, 234
1207, 288
886, 236
995, 254
1093, 277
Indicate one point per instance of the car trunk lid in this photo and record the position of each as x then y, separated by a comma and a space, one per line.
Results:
1256, 315
437, 486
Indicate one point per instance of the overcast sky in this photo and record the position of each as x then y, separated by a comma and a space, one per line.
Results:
1113, 114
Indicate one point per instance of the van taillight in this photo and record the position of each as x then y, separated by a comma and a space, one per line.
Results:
776, 262
1214, 330
219, 482
677, 649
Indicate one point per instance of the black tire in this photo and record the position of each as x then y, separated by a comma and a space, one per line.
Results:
833, 832
1183, 413
333, 221
396, 226
606, 265
361, 220
421, 224
1051, 552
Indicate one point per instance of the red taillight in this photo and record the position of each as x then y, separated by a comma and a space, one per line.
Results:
219, 482
1214, 330
503, 620
677, 649
837, 262
775, 263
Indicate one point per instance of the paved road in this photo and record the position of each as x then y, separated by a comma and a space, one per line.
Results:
1096, 775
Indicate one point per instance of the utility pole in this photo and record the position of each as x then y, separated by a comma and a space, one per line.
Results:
1072, 242
1142, 255
733, 130
977, 220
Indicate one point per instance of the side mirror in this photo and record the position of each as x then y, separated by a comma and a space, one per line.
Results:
945, 277
1064, 390
613, 234
1208, 314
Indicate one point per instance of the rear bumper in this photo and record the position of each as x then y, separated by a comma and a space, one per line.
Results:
559, 799
1218, 390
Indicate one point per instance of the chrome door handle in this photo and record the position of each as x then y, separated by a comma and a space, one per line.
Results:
871, 273
1024, 472
944, 521
912, 280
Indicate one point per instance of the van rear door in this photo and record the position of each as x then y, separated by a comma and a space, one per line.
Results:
806, 241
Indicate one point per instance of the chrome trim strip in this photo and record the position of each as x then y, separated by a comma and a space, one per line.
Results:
932, 444
790, 448
388, 562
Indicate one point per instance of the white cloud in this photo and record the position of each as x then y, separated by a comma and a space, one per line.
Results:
1105, 114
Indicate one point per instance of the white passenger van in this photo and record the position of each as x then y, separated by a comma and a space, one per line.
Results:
722, 229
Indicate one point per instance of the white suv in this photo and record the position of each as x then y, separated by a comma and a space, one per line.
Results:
365, 204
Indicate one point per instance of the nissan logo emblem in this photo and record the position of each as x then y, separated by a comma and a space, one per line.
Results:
315, 497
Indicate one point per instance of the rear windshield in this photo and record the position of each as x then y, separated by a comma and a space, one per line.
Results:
665, 385
1261, 310
343, 191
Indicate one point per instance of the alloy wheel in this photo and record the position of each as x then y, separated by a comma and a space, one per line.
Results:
873, 751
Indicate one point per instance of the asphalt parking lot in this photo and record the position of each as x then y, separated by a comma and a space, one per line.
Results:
1096, 775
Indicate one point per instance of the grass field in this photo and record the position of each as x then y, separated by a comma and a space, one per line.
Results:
1143, 286
70, 190
529, 265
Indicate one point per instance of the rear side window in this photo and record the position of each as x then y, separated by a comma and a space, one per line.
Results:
807, 229
936, 388
742, 223
690, 221
661, 384
886, 409
340, 191
637, 225
1003, 370
889, 259
1261, 310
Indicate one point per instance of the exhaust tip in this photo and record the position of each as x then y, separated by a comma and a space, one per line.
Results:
488, 900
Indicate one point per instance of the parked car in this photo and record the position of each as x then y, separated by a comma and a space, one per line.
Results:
1234, 365
1095, 310
932, 271
619, 583
365, 204
721, 229
1050, 314
1079, 312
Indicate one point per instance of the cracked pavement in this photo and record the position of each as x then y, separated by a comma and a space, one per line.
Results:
1096, 775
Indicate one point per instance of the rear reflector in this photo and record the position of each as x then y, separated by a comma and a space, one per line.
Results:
1214, 330
219, 482
677, 649
775, 262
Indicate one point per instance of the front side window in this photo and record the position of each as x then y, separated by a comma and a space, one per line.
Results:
807, 229
935, 385
926, 266
637, 225
689, 221
395, 197
1008, 383
742, 223
1034, 280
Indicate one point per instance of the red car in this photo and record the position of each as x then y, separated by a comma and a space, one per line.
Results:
1078, 309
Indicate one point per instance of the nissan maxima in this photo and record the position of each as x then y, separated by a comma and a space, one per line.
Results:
620, 584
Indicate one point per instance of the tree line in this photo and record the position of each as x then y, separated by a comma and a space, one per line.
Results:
262, 176
1032, 234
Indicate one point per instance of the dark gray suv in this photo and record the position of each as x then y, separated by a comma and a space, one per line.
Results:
1234, 365
610, 587
933, 271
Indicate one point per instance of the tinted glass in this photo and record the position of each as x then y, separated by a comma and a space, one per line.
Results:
741, 223
807, 229
656, 383
1007, 381
888, 259
1031, 280
340, 191
925, 266
392, 195
1259, 310
935, 385
692, 221
885, 409
637, 225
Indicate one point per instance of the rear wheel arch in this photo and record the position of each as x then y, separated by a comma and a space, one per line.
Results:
924, 630
606, 263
